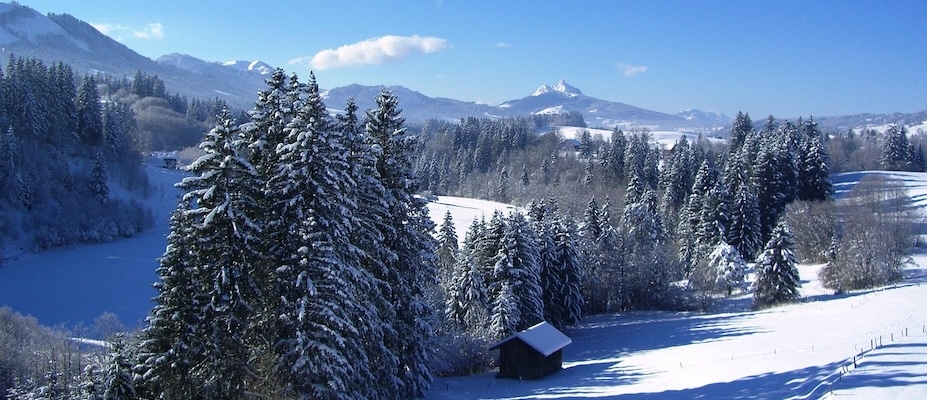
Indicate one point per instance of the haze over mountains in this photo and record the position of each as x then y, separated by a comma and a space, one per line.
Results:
63, 38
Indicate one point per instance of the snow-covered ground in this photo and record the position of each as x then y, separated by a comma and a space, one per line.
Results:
805, 350
661, 138
866, 345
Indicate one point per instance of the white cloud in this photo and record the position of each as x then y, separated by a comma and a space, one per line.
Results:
108, 29
503, 44
631, 70
152, 31
376, 51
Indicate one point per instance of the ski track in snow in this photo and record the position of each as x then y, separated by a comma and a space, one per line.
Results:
867, 344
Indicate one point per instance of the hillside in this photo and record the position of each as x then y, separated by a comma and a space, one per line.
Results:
797, 350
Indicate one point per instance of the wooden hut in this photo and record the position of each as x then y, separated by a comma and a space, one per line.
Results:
532, 353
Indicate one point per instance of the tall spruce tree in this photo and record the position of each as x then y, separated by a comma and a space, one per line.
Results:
89, 115
409, 235
224, 189
367, 235
320, 347
518, 264
895, 151
777, 278
172, 342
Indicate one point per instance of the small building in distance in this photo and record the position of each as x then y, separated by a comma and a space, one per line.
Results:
532, 353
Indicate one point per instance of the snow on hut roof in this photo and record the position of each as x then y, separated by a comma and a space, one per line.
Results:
542, 337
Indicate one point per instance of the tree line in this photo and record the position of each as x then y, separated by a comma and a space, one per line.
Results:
63, 152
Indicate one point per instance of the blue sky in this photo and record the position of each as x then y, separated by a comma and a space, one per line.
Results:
784, 58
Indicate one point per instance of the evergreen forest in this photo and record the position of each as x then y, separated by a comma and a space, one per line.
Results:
302, 261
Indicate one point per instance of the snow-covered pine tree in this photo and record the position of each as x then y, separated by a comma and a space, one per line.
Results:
367, 235
505, 317
690, 233
518, 264
446, 252
592, 227
89, 116
320, 348
813, 173
740, 129
409, 235
541, 220
172, 342
119, 382
777, 279
674, 180
568, 299
769, 186
99, 178
617, 146
273, 109
728, 268
744, 220
468, 303
9, 152
225, 189
895, 150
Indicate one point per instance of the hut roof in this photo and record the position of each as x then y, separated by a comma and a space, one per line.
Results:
542, 337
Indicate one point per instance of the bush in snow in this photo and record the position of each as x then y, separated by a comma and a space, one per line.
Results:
877, 233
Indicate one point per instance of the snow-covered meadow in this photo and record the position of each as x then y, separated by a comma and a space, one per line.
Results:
664, 139
867, 344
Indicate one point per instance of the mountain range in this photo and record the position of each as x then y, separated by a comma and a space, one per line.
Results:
63, 38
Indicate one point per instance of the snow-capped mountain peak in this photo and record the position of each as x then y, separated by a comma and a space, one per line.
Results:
257, 66
561, 87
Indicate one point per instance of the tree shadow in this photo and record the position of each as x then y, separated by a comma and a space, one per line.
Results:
800, 382
892, 365
613, 336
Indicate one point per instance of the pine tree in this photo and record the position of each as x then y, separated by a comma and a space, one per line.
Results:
615, 159
744, 229
505, 315
468, 303
813, 173
769, 185
895, 154
740, 129
98, 179
367, 235
119, 381
568, 297
171, 343
446, 252
777, 279
408, 235
518, 264
9, 152
728, 268
320, 347
225, 189
89, 115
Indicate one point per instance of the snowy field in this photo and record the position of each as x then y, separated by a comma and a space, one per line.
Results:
862, 345
661, 138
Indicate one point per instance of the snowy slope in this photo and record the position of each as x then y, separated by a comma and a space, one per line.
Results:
464, 211
664, 139
866, 345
